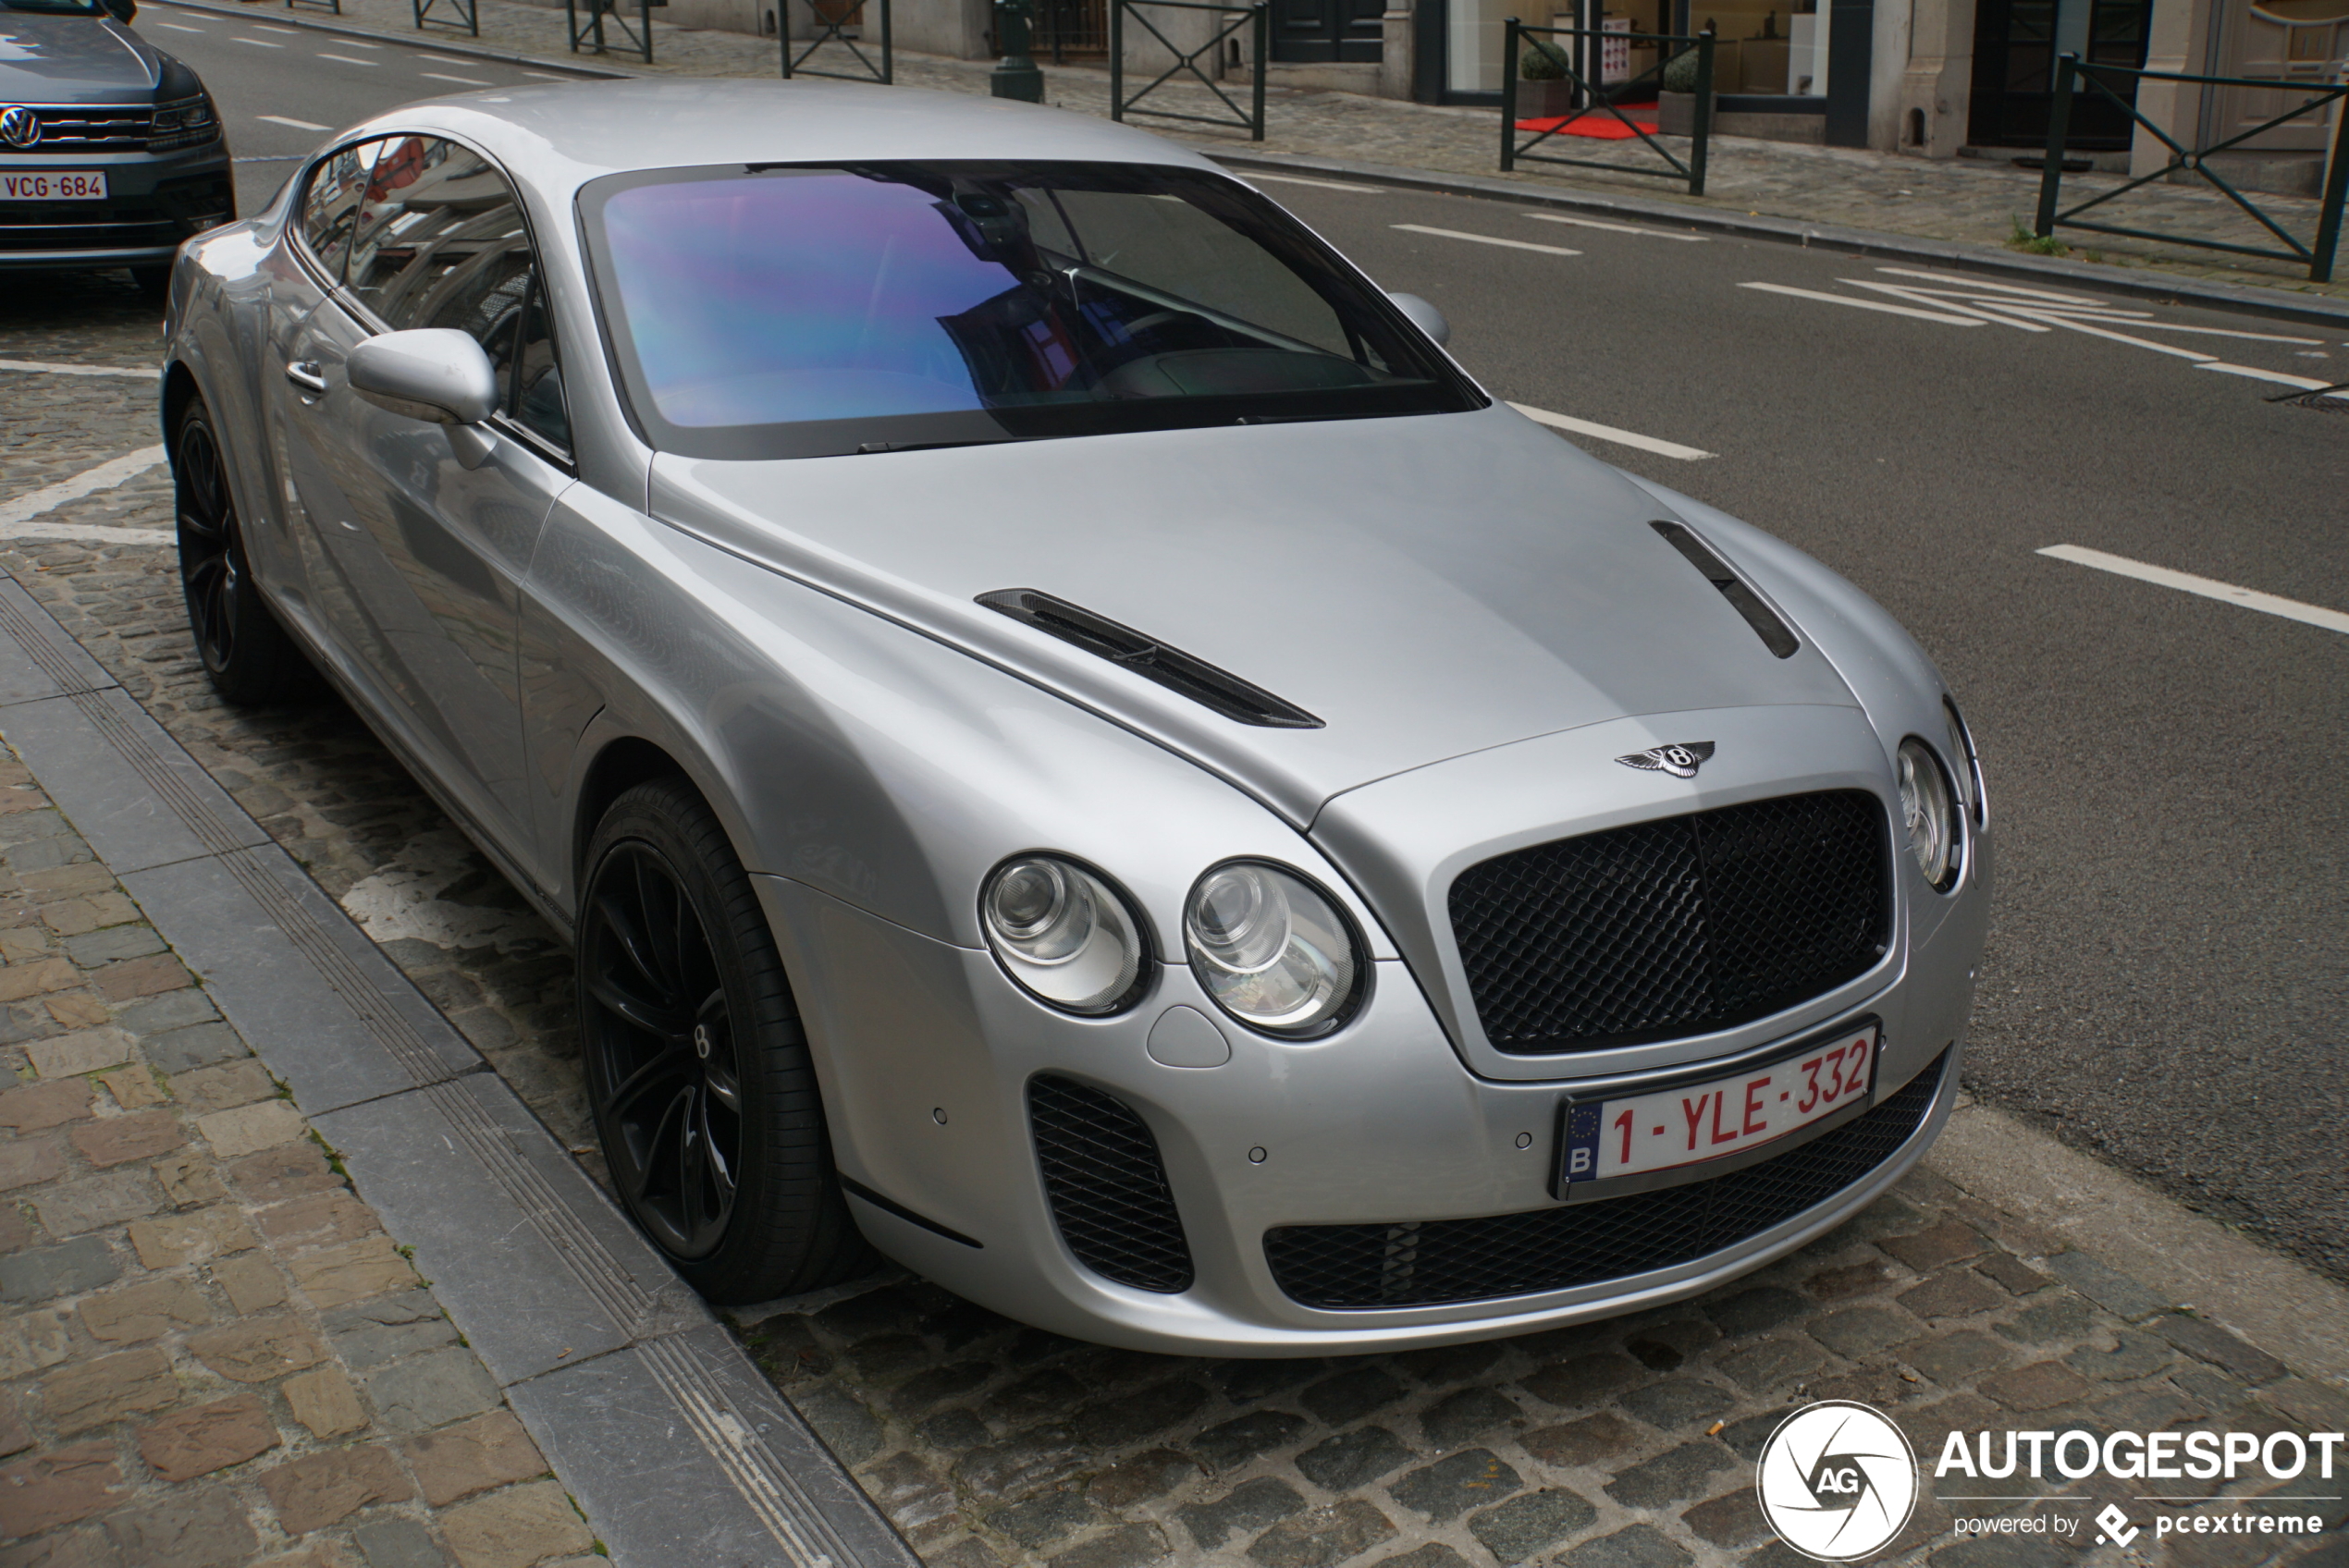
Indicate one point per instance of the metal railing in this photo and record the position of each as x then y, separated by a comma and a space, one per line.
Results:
2316, 255
1577, 63
464, 15
1251, 18
591, 37
832, 27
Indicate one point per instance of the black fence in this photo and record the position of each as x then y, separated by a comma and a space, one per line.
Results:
2317, 254
332, 7
1070, 28
592, 36
833, 18
444, 16
1250, 19
1578, 62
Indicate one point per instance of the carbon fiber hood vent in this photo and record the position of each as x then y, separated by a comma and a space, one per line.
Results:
1152, 660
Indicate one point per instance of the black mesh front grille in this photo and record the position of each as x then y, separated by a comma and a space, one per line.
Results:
102, 129
1428, 1263
1676, 926
1108, 1186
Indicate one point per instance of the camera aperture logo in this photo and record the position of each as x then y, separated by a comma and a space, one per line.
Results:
1837, 1481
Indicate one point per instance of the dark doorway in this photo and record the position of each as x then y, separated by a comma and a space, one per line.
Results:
2015, 45
1326, 29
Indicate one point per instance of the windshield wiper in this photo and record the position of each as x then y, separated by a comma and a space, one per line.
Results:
870, 447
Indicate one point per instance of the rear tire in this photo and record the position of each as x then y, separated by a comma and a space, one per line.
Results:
698, 1071
245, 651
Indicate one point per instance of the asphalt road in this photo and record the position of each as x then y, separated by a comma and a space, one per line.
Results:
2168, 972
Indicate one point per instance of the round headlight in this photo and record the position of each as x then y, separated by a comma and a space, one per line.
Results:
1062, 932
1272, 951
1929, 811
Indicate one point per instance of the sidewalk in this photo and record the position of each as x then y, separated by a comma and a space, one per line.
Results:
1964, 200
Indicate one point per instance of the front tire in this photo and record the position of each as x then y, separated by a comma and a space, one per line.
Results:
698, 1071
246, 652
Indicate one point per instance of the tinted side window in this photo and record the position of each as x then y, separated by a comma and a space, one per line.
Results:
330, 203
441, 243
538, 379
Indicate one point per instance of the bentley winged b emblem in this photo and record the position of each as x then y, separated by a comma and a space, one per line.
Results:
1681, 761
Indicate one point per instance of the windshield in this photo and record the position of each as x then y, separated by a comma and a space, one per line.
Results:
795, 312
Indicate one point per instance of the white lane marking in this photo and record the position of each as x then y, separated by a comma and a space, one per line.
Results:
1615, 228
1975, 283
177, 28
1943, 317
16, 516
1252, 176
354, 43
351, 59
1609, 432
2307, 383
1486, 239
468, 80
441, 60
1933, 300
549, 76
281, 119
143, 373
2209, 587
257, 43
264, 27
2224, 332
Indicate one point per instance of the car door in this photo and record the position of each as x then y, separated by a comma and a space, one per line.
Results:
427, 554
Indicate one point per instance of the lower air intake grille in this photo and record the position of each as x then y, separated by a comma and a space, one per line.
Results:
1677, 926
1108, 1186
1429, 1263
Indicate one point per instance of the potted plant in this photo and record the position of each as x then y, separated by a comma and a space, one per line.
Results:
1675, 97
1544, 94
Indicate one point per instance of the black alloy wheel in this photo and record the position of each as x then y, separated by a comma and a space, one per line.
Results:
697, 1068
245, 651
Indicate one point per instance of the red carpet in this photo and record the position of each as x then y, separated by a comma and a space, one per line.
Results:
1599, 125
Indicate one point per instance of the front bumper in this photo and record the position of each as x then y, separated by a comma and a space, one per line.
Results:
153, 203
926, 1054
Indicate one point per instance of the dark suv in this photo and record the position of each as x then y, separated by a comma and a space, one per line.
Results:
110, 149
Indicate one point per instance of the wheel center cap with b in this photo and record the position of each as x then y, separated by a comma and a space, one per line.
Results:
701, 1041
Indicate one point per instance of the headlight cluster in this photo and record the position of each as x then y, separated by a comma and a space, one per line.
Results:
188, 122
1929, 809
1272, 951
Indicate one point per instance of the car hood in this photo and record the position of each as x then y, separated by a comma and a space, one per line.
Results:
48, 59
1426, 586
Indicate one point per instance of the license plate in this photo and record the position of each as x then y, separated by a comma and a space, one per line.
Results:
54, 185
1631, 1142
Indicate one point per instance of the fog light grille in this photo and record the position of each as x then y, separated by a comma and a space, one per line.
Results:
1108, 1186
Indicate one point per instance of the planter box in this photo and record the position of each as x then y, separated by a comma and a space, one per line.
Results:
1544, 100
1675, 113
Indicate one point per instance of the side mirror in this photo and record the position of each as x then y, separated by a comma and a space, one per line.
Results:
121, 10
434, 373
1424, 316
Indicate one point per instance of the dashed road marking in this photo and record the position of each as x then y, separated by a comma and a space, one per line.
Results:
1486, 238
145, 373
1943, 317
2282, 378
2209, 587
1617, 228
1252, 176
257, 43
1609, 432
264, 27
288, 120
351, 59
468, 80
17, 516
177, 28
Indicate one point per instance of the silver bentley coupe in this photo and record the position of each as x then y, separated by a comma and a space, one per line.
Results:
1076, 747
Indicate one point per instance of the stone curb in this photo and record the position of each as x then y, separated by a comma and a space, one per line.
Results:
2136, 283
605, 1355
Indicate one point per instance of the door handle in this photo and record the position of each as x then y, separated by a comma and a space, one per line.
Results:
304, 374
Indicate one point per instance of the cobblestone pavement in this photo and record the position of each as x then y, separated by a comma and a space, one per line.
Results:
1625, 1445
210, 1351
1962, 200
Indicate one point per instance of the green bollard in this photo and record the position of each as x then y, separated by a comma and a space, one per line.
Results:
1015, 76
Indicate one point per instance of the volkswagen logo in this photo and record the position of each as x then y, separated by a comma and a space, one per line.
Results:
1837, 1481
19, 126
